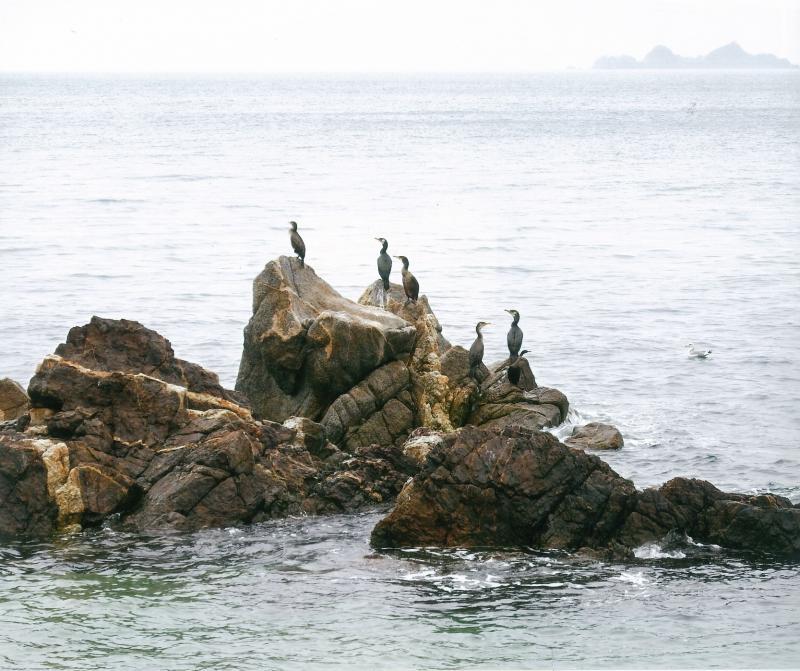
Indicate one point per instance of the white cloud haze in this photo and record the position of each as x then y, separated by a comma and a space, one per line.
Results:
362, 35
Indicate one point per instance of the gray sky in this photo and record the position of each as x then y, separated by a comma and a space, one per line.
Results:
363, 35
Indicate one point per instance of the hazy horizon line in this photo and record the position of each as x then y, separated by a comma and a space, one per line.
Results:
294, 73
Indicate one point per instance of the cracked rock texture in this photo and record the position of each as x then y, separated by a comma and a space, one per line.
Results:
155, 454
517, 487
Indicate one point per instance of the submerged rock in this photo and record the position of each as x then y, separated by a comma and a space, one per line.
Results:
14, 402
517, 487
596, 436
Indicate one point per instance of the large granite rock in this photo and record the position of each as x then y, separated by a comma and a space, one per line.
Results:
14, 401
517, 487
369, 372
306, 345
149, 453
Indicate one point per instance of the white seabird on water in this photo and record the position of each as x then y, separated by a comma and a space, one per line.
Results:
697, 353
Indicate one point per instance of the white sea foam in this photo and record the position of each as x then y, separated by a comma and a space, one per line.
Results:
655, 551
634, 577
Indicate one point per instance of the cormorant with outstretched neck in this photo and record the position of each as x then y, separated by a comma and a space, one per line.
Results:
476, 351
410, 284
298, 245
514, 338
515, 369
384, 263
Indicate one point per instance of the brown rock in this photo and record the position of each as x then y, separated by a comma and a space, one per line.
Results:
596, 436
305, 344
521, 488
128, 347
14, 401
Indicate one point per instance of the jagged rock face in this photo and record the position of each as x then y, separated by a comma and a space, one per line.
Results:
763, 522
127, 346
596, 436
305, 344
156, 455
521, 488
14, 401
509, 488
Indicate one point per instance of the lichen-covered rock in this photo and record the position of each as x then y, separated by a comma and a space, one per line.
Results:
305, 344
419, 445
517, 487
440, 401
14, 401
596, 436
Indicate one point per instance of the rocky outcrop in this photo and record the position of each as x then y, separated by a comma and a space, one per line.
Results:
306, 345
517, 487
372, 371
14, 401
596, 436
153, 454
353, 404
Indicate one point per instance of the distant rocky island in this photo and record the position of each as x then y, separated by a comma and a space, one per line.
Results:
729, 56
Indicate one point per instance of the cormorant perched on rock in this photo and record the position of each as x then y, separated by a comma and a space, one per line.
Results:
298, 245
514, 371
476, 351
514, 339
410, 283
384, 264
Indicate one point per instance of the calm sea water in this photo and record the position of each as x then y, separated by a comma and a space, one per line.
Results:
624, 214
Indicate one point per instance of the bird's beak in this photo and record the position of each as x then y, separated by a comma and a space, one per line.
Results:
378, 239
509, 311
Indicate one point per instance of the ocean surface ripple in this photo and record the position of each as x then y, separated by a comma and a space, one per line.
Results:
620, 225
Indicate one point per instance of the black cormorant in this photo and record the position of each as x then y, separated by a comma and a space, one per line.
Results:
514, 339
476, 351
298, 245
384, 264
410, 283
514, 370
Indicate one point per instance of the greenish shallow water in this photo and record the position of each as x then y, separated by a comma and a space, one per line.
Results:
309, 593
